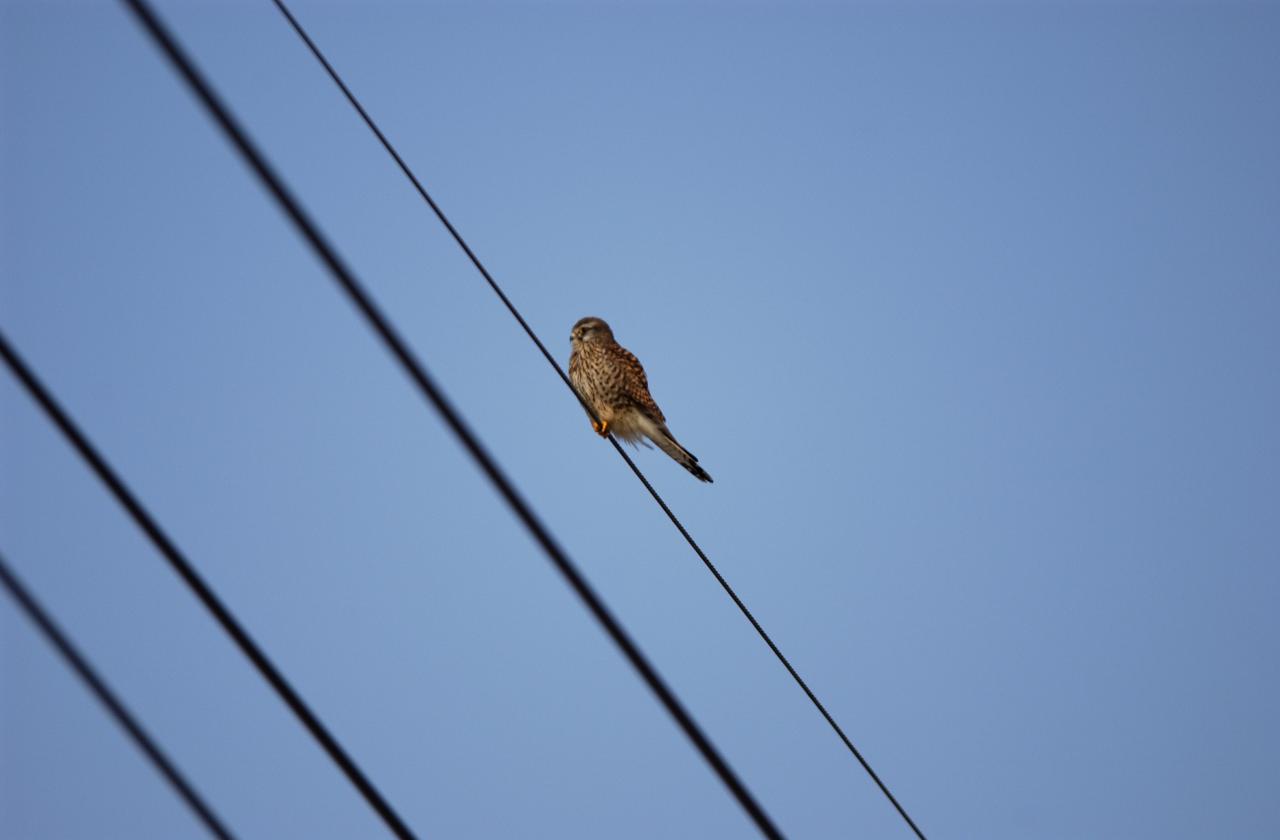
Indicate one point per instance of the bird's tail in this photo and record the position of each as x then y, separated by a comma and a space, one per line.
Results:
663, 438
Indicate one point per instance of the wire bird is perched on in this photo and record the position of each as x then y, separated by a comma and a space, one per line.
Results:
612, 382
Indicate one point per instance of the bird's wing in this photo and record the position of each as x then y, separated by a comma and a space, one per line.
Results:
636, 384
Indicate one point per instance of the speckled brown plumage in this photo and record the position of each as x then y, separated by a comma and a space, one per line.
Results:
612, 381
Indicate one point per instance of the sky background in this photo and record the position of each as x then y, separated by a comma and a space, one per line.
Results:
971, 310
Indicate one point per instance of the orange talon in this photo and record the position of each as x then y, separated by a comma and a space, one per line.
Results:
601, 428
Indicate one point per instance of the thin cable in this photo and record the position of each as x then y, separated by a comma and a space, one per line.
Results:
404, 167
192, 578
114, 705
415, 370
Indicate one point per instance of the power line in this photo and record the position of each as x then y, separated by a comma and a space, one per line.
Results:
415, 370
404, 167
191, 577
114, 705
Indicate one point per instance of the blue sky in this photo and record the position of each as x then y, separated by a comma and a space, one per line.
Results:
970, 310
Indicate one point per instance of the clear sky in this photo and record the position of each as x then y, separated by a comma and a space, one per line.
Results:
971, 310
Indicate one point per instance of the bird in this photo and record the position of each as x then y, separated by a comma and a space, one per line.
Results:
611, 381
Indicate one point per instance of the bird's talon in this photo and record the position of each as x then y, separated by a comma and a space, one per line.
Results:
602, 427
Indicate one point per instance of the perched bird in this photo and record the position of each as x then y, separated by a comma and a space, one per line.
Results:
612, 382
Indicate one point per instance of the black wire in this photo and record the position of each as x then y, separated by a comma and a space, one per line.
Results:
114, 705
415, 370
192, 578
404, 167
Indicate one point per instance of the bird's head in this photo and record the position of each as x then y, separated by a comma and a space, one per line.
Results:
590, 329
